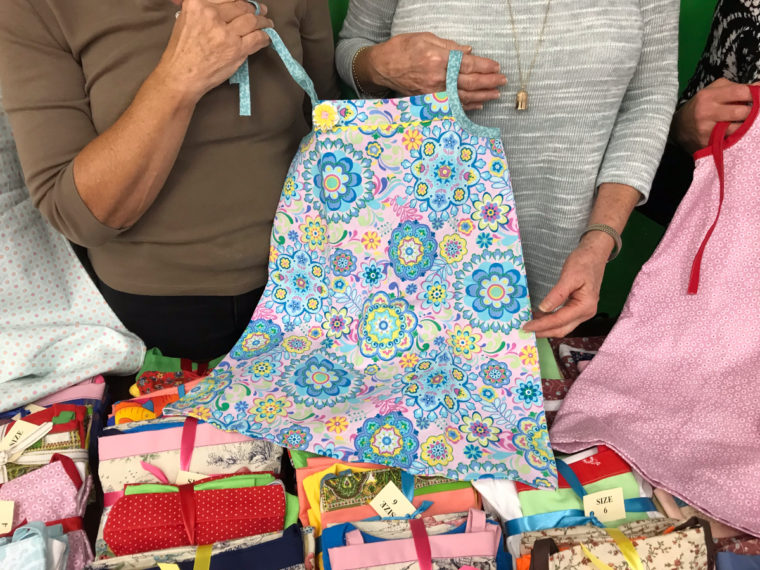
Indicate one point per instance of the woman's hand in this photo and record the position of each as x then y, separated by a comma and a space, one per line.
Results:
575, 296
722, 100
210, 40
577, 291
415, 64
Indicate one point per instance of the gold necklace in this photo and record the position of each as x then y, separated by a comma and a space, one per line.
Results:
521, 102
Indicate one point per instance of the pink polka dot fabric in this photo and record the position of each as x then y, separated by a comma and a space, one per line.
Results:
55, 328
674, 389
49, 494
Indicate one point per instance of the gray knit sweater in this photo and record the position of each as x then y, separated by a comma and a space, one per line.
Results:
601, 98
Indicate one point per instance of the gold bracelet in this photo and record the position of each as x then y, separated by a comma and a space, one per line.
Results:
360, 90
610, 231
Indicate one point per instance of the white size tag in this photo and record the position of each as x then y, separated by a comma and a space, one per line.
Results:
17, 433
391, 502
6, 516
606, 505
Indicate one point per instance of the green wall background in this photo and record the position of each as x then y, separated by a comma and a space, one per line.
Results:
642, 235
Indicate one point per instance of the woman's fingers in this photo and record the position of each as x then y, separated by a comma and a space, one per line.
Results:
481, 81
248, 23
473, 99
478, 64
733, 93
255, 41
229, 11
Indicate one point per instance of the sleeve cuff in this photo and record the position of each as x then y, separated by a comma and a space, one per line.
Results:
344, 58
70, 215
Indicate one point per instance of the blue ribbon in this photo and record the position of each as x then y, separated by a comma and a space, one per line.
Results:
242, 78
425, 505
571, 517
407, 485
557, 519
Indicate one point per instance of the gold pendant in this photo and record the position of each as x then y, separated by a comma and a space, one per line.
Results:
521, 102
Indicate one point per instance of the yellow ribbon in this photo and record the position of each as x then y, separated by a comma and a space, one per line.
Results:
203, 557
627, 549
165, 566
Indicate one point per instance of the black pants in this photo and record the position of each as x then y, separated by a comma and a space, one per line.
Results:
200, 328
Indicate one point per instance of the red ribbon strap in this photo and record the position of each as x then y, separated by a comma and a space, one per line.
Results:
421, 544
187, 443
716, 142
187, 503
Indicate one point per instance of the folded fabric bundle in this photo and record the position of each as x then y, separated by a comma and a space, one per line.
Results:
155, 361
400, 543
572, 536
597, 469
197, 448
61, 428
341, 493
92, 389
160, 372
35, 546
687, 547
56, 493
152, 517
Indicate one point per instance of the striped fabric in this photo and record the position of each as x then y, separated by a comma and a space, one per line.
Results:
601, 98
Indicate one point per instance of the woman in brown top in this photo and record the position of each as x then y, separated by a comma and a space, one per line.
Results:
132, 146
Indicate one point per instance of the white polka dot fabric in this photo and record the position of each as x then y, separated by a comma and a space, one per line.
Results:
55, 328
674, 388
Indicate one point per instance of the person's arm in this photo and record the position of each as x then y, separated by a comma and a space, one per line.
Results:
577, 291
625, 177
92, 186
722, 100
715, 92
367, 23
408, 64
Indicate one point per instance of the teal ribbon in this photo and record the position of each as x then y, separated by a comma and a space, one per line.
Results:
571, 517
407, 485
242, 78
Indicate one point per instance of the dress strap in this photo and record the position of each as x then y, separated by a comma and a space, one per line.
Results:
296, 70
452, 90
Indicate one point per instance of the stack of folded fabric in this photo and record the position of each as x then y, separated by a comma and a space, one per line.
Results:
179, 491
333, 492
45, 451
159, 372
441, 542
655, 544
53, 496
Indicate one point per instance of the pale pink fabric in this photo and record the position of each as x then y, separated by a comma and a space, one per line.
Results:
674, 388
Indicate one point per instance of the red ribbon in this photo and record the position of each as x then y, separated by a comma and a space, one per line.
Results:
421, 544
716, 142
187, 503
717, 145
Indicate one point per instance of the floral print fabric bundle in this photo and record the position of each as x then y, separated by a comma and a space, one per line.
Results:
389, 331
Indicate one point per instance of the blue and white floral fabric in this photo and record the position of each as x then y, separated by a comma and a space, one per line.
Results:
389, 331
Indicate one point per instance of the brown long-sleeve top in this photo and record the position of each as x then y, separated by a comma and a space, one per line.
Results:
70, 68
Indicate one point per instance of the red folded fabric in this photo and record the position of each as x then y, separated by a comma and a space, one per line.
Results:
603, 464
154, 521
